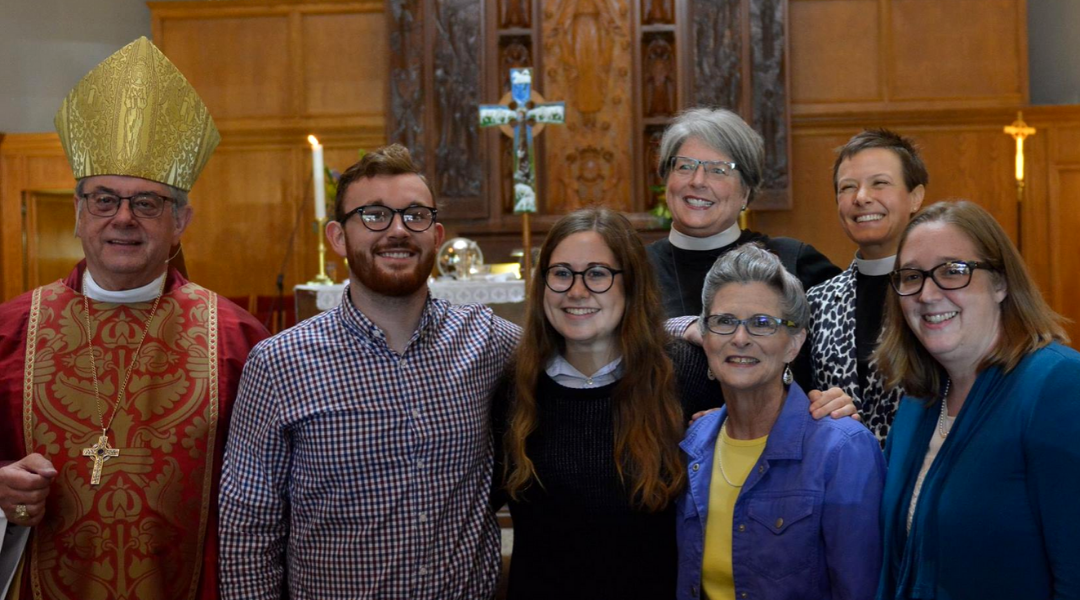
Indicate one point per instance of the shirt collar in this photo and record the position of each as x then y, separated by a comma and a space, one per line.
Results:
565, 374
878, 266
356, 320
724, 238
146, 293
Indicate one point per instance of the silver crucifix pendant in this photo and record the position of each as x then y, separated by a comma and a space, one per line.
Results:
99, 453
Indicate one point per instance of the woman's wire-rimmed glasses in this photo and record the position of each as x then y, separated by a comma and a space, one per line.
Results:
597, 278
759, 325
684, 166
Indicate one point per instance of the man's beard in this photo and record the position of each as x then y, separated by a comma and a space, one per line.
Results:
395, 283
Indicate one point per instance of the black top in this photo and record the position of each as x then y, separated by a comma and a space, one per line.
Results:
576, 534
870, 294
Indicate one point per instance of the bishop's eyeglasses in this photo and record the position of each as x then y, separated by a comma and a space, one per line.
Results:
684, 166
597, 278
759, 325
952, 275
145, 205
376, 217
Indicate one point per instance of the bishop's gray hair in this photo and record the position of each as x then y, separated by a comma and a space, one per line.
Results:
723, 131
751, 263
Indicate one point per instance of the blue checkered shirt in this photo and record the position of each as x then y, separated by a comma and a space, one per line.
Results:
354, 472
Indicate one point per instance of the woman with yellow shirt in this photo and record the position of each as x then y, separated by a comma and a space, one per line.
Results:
777, 505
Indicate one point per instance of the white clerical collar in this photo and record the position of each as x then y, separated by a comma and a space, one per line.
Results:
878, 266
146, 293
566, 375
724, 238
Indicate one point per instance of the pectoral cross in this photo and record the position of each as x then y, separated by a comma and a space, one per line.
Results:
514, 117
99, 453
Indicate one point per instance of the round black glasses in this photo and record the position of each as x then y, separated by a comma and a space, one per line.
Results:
378, 218
597, 278
952, 275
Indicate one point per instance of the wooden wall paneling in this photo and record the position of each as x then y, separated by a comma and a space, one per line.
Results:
242, 66
1065, 208
50, 248
407, 113
959, 49
836, 56
28, 162
335, 44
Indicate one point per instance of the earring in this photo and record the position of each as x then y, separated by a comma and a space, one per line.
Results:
710, 375
744, 206
788, 377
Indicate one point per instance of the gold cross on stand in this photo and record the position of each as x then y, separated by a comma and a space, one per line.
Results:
99, 453
1020, 131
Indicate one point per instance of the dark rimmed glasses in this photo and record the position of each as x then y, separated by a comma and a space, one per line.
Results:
685, 166
145, 205
952, 275
417, 219
759, 325
597, 278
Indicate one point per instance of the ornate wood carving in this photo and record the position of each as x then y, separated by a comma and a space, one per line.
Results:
515, 13
716, 50
457, 79
770, 101
587, 50
655, 12
659, 75
405, 121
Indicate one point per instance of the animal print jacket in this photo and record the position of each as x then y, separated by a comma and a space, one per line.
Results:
832, 352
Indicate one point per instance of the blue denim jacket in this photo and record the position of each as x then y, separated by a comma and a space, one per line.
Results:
806, 520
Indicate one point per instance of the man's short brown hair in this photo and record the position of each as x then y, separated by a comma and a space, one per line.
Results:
911, 163
388, 160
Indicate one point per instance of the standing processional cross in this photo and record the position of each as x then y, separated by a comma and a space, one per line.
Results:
517, 120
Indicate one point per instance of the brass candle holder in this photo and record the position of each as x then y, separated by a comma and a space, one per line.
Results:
322, 278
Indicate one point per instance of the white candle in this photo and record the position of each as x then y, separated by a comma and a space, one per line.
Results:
317, 177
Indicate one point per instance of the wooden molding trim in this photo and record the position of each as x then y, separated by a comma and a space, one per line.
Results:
36, 144
246, 8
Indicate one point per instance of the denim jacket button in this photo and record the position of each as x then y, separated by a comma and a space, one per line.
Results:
779, 522
761, 469
693, 590
742, 527
696, 466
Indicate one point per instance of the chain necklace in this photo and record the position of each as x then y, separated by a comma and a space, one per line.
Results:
943, 417
101, 451
720, 462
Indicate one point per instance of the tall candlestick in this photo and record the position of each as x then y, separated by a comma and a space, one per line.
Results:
318, 178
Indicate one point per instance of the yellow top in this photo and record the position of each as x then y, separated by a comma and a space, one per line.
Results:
736, 458
135, 114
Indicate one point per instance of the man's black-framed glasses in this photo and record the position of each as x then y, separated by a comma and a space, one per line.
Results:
952, 275
597, 278
759, 325
714, 169
376, 217
145, 205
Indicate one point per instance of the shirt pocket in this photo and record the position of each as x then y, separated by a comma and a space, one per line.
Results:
784, 534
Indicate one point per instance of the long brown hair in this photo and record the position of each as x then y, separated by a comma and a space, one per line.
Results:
1027, 322
647, 415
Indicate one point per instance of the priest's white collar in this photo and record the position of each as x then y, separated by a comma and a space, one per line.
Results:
724, 238
146, 293
878, 266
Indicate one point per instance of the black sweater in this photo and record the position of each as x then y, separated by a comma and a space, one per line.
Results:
577, 535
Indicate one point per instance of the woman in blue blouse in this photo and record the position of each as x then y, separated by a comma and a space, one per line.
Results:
984, 454
777, 505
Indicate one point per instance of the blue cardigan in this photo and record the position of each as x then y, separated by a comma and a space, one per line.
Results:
997, 515
806, 520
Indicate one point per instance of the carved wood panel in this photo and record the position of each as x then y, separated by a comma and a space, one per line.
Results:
770, 99
716, 48
405, 119
458, 175
587, 49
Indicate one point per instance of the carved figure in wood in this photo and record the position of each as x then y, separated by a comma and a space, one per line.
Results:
657, 11
514, 13
659, 93
586, 31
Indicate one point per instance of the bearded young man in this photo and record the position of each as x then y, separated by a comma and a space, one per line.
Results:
116, 382
359, 461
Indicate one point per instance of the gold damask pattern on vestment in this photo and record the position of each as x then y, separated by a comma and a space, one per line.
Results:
140, 533
135, 114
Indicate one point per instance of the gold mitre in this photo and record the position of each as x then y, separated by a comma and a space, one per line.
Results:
135, 114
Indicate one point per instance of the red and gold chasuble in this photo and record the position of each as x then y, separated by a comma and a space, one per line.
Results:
139, 533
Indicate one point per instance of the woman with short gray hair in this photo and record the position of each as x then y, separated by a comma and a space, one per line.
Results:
802, 495
712, 164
